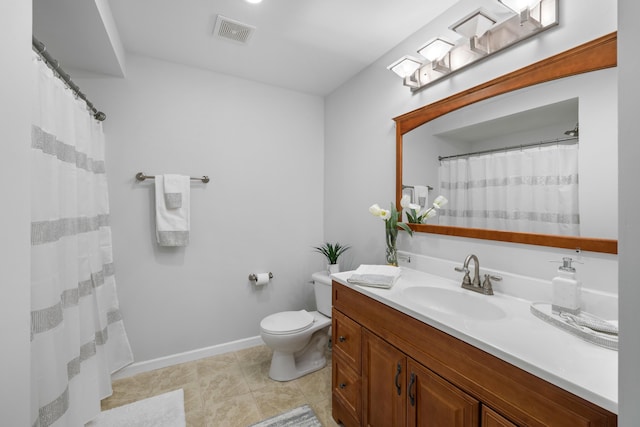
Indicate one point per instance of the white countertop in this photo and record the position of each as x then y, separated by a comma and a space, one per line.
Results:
520, 338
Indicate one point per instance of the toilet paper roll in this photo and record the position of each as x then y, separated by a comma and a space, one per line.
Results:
263, 279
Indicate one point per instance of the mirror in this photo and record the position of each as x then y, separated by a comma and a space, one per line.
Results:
504, 96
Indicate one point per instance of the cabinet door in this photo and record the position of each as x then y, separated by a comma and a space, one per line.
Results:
490, 418
383, 383
434, 402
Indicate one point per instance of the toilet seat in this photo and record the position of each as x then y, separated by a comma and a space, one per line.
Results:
287, 322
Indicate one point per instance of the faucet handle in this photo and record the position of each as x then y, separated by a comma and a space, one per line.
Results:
487, 288
466, 280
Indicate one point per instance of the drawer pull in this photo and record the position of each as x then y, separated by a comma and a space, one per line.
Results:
398, 386
342, 385
342, 338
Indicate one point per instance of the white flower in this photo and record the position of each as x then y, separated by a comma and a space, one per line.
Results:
379, 212
405, 202
439, 202
375, 210
430, 214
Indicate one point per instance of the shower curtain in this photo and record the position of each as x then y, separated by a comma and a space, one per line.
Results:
528, 190
77, 334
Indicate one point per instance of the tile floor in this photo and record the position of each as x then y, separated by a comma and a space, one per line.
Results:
230, 390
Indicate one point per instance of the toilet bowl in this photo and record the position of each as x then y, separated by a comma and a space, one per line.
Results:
299, 338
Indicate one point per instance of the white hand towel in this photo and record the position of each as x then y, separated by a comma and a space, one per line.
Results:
377, 276
173, 186
421, 193
172, 225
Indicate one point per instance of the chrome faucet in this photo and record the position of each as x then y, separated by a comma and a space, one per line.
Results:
474, 284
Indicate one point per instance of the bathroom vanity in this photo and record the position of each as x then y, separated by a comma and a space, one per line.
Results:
397, 365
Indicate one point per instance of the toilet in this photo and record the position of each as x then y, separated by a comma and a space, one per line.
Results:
299, 338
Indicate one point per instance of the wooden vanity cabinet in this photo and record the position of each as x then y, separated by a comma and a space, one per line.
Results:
390, 370
398, 391
490, 418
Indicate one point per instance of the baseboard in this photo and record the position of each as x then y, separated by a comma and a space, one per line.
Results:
187, 356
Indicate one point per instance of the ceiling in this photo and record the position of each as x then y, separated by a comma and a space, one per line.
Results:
534, 119
312, 46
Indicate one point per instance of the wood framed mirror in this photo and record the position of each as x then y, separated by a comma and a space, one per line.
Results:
596, 55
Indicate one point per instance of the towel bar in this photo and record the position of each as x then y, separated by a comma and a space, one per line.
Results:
140, 176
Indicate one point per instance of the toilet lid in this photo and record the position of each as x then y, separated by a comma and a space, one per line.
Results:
287, 322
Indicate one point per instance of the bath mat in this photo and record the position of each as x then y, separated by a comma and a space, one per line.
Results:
298, 417
164, 410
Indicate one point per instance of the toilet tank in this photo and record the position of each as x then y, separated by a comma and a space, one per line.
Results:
322, 288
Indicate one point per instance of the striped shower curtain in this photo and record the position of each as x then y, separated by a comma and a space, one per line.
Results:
77, 334
531, 190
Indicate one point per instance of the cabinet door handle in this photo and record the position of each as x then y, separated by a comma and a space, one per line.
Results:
398, 371
412, 396
342, 338
342, 385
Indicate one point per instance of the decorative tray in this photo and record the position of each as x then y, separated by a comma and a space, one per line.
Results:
584, 325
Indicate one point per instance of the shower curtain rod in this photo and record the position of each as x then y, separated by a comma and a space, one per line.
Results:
513, 147
52, 63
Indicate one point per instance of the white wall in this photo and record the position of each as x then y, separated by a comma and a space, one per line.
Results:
629, 245
262, 147
360, 147
15, 133
360, 143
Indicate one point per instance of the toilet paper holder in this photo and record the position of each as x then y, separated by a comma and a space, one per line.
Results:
254, 277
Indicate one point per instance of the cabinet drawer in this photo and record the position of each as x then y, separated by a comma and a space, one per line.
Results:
346, 386
346, 338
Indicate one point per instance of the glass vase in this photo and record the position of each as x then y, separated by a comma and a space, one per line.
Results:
392, 255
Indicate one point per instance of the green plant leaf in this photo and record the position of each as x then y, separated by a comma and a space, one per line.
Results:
332, 251
406, 228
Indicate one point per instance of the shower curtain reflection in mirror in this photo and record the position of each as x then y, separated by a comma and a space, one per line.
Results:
77, 334
532, 190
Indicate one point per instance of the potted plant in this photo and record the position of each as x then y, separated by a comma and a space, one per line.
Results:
332, 252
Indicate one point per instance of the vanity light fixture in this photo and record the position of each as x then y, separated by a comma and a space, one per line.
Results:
435, 49
437, 52
474, 27
525, 9
405, 66
482, 35
519, 5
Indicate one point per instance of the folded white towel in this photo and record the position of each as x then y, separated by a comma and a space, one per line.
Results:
172, 225
173, 187
378, 276
421, 194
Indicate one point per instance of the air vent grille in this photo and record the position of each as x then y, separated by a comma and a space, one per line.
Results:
232, 30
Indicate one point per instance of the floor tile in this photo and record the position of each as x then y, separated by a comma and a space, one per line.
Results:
215, 364
278, 397
236, 411
225, 383
254, 355
257, 376
230, 390
316, 385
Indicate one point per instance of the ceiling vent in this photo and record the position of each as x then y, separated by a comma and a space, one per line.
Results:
232, 30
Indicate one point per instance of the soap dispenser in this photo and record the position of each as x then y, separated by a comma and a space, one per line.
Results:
565, 289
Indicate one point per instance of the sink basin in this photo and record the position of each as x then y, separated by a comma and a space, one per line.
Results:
454, 302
